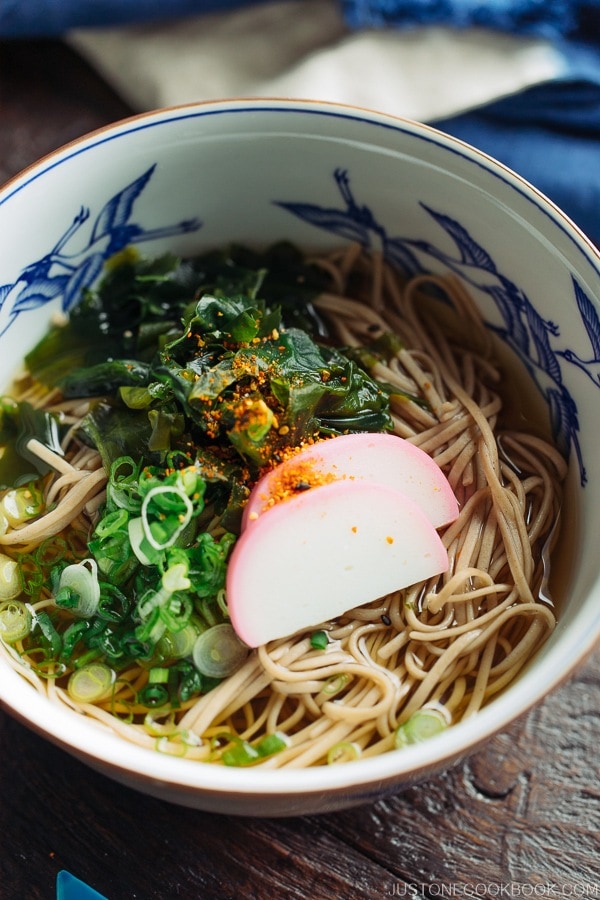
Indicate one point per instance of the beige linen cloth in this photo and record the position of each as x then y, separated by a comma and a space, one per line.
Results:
303, 49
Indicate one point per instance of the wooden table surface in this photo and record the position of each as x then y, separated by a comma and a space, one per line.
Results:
521, 818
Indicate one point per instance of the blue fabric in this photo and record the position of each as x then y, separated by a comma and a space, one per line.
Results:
51, 18
70, 888
545, 18
549, 134
550, 18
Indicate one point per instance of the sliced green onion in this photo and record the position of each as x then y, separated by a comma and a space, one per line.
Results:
32, 575
71, 637
153, 695
152, 629
218, 651
319, 640
192, 483
91, 683
239, 753
163, 533
123, 484
52, 551
193, 683
222, 602
10, 581
46, 668
175, 578
113, 605
272, 743
111, 523
168, 728
345, 751
422, 725
177, 644
51, 636
113, 555
85, 658
171, 747
207, 611
15, 621
158, 675
176, 612
79, 589
22, 504
141, 546
334, 684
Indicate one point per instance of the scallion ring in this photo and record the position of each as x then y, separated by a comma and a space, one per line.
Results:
177, 644
335, 684
183, 518
218, 651
91, 683
10, 581
345, 751
422, 725
15, 621
79, 589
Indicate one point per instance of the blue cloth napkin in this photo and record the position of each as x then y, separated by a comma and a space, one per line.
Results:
548, 18
549, 134
51, 18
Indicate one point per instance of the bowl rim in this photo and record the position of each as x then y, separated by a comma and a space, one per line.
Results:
460, 740
331, 108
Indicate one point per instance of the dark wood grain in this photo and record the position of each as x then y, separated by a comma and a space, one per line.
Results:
519, 819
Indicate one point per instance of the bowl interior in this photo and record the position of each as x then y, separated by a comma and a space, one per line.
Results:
319, 175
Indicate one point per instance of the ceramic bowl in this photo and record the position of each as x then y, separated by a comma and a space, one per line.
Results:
200, 176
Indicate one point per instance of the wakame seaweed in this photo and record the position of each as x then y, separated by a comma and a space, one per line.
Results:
222, 351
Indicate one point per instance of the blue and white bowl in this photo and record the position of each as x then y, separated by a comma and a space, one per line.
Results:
201, 176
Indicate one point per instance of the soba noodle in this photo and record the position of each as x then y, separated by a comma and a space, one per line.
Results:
452, 643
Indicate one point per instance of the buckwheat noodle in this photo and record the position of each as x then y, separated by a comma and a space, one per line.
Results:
453, 642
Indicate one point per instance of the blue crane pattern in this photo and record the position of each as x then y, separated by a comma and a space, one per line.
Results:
63, 274
530, 336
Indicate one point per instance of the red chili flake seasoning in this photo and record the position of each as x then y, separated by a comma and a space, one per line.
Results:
295, 478
390, 539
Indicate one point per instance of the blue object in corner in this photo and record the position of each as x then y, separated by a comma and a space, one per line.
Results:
52, 18
70, 888
549, 134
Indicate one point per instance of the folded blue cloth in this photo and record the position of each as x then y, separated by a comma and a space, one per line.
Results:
51, 18
549, 134
545, 18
